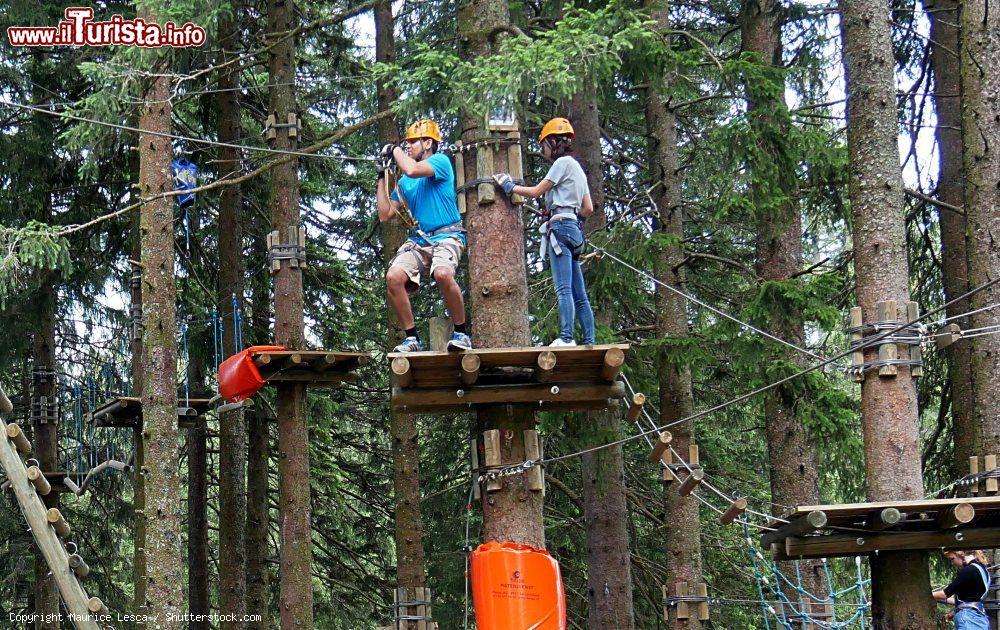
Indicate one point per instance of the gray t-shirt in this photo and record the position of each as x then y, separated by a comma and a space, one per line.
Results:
570, 185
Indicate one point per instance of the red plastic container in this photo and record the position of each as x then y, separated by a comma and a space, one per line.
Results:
239, 378
517, 587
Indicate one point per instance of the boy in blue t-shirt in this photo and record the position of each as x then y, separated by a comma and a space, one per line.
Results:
427, 192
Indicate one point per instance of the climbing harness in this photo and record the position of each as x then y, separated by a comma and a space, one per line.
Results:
557, 241
977, 605
406, 216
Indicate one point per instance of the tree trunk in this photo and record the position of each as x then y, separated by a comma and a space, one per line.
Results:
410, 569
609, 565
232, 427
888, 404
499, 293
775, 193
293, 432
258, 523
197, 506
683, 540
45, 435
980, 46
943, 15
159, 393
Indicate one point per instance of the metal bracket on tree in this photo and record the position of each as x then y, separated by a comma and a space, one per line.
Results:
292, 249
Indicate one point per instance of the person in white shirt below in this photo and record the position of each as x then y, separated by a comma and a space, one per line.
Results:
567, 203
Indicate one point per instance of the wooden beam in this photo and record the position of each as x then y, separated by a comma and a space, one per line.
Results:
660, 447
858, 356
16, 435
506, 394
38, 480
79, 565
974, 470
990, 464
883, 519
470, 369
532, 450
58, 523
810, 522
613, 361
947, 336
694, 459
692, 481
860, 510
401, 372
545, 363
635, 407
912, 313
955, 516
701, 591
886, 311
440, 329
5, 405
842, 546
736, 509
463, 407
474, 466
681, 590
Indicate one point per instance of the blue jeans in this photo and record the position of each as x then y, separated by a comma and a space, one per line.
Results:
568, 278
966, 619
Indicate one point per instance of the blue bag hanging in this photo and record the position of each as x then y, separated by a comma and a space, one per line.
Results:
185, 178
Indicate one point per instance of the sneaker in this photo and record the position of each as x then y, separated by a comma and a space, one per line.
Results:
410, 344
559, 342
460, 341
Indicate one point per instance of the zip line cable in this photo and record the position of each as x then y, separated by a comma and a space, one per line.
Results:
214, 143
706, 305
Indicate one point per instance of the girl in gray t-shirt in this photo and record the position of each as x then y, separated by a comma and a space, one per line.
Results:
567, 201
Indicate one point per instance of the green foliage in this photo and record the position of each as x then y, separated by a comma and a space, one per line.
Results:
33, 247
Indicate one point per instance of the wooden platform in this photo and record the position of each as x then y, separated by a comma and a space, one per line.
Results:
319, 368
576, 378
855, 529
126, 412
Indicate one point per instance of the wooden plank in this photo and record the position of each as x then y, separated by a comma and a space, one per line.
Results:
839, 511
842, 546
666, 608
460, 176
532, 450
470, 369
403, 398
681, 590
73, 595
421, 595
694, 459
974, 470
912, 313
568, 407
491, 451
990, 464
886, 311
474, 467
523, 355
484, 169
515, 164
858, 356
701, 590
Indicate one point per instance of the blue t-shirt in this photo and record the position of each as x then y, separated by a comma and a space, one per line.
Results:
432, 199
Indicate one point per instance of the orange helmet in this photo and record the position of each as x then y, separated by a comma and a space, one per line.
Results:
557, 127
425, 128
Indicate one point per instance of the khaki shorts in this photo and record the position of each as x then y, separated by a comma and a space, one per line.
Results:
420, 260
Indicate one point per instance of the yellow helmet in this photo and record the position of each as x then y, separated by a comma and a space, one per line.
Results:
425, 128
557, 127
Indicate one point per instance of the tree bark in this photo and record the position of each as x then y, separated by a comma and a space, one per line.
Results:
164, 591
197, 506
499, 293
232, 425
258, 546
410, 563
683, 541
295, 560
943, 15
609, 565
980, 50
888, 404
45, 435
775, 193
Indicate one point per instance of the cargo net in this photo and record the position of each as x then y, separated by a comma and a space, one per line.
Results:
905, 341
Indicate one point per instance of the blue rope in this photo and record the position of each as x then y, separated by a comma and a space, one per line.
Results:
757, 573
215, 335
237, 325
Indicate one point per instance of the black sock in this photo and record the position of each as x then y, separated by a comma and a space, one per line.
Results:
460, 328
412, 332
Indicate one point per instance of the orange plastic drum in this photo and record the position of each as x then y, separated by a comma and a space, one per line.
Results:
517, 587
239, 378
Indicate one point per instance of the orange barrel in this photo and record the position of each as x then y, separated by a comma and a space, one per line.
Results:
239, 378
517, 587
